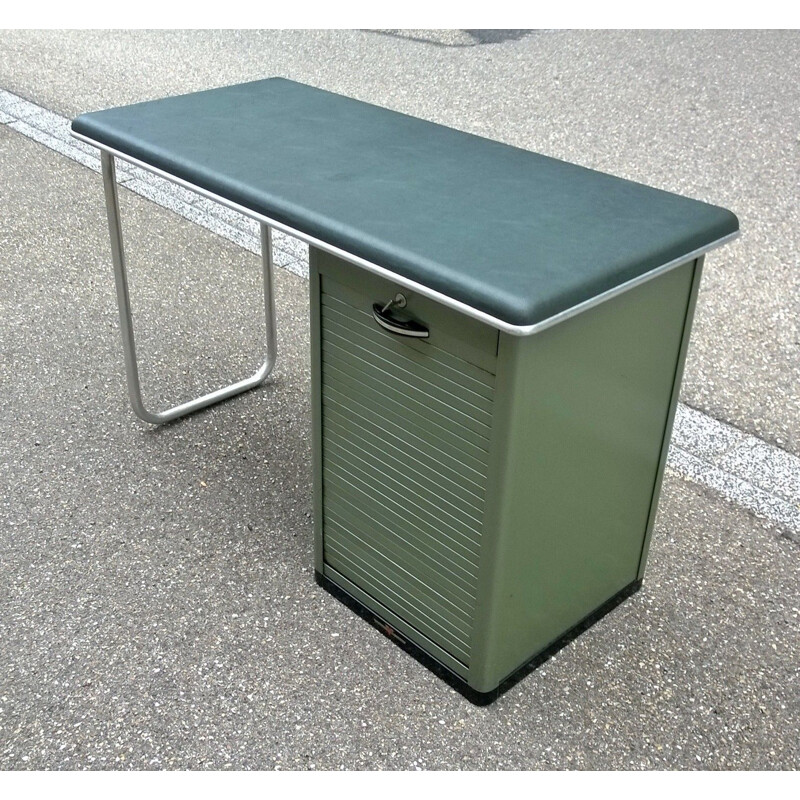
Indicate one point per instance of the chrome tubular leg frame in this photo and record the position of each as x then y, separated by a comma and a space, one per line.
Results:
126, 318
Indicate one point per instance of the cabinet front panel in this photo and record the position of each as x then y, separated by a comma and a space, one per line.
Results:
405, 430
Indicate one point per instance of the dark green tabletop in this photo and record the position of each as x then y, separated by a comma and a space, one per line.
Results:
512, 233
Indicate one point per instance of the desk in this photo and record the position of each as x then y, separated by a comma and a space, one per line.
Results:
497, 342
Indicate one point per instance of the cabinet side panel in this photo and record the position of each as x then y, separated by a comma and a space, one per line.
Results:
575, 474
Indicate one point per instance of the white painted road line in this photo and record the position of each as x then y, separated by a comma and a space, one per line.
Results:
742, 468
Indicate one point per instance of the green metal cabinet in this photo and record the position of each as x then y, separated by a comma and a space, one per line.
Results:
482, 496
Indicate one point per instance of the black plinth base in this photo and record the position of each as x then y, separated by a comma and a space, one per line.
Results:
446, 674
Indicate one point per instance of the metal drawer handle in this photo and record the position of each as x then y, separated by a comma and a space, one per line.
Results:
396, 326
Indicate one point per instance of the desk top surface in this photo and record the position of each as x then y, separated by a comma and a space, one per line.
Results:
517, 235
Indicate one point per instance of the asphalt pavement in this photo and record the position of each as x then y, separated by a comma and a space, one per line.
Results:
157, 603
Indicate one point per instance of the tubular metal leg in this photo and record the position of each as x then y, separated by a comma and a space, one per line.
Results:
126, 318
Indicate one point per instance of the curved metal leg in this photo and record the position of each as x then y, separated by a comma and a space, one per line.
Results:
126, 317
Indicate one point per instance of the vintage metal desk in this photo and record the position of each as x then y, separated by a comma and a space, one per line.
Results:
497, 346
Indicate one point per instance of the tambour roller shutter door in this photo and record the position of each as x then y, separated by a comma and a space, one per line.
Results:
405, 440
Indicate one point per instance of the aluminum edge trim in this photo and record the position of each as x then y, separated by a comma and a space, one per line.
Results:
445, 300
